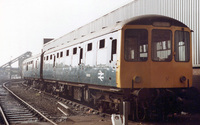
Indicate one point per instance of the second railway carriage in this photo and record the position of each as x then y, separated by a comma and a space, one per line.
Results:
145, 60
32, 67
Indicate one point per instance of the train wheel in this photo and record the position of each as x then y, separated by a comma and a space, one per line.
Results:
103, 106
141, 113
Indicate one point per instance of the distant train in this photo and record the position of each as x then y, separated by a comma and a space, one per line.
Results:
146, 60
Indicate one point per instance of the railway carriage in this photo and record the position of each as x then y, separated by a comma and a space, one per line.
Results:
31, 67
145, 60
91, 62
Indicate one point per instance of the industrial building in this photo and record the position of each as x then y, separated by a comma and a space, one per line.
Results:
186, 11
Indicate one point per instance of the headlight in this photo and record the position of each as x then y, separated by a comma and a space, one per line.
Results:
137, 79
182, 79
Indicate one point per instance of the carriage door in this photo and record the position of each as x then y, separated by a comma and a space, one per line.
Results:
81, 72
113, 60
81, 56
54, 66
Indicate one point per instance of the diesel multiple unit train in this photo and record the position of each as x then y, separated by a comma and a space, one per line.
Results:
144, 60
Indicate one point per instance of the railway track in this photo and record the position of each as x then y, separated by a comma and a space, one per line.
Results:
73, 108
78, 109
72, 104
16, 110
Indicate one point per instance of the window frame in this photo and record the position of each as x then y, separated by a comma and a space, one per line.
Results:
162, 43
89, 47
132, 60
75, 50
189, 58
61, 54
58, 55
67, 52
102, 43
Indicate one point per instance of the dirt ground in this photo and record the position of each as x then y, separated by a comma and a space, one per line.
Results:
49, 105
87, 120
79, 120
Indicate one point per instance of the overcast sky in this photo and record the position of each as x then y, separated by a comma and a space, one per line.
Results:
24, 23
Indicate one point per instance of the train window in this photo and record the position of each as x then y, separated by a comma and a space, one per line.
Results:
182, 46
27, 67
89, 47
114, 48
81, 55
57, 55
47, 57
61, 54
36, 64
74, 50
50, 57
54, 61
136, 45
161, 49
32, 65
101, 43
67, 53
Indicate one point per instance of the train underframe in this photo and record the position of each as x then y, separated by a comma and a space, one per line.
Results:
144, 103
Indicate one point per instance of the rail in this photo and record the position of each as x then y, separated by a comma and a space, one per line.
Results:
4, 117
31, 107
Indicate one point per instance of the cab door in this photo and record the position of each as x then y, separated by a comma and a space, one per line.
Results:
134, 57
161, 58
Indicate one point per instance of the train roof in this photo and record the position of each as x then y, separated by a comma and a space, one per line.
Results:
99, 27
127, 14
32, 58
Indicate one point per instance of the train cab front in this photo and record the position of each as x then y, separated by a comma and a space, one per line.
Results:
156, 62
